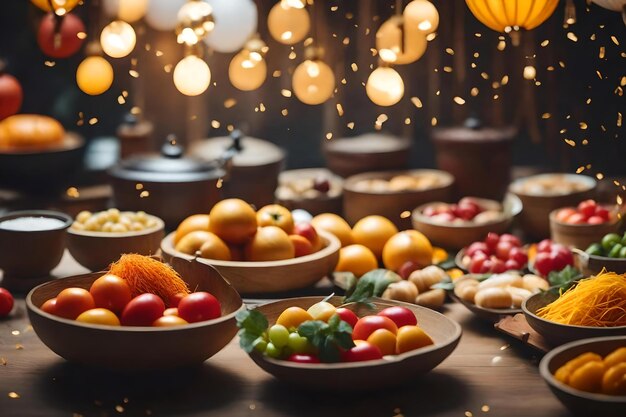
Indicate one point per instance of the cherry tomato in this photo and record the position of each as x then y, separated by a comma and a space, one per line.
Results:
111, 292
544, 246
512, 264
168, 321
518, 255
476, 247
476, 263
143, 310
6, 302
199, 306
384, 340
366, 326
302, 358
50, 306
561, 257
401, 316
411, 338
497, 266
348, 316
363, 351
73, 301
503, 248
99, 316
587, 208
543, 263
175, 299
564, 214
603, 213
576, 218
492, 240
486, 266
595, 220
514, 240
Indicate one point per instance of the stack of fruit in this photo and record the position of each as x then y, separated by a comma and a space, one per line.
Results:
496, 254
550, 257
587, 212
467, 211
612, 246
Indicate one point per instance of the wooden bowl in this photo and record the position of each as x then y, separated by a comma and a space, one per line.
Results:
535, 219
556, 333
579, 235
377, 374
581, 402
593, 264
137, 348
394, 205
96, 250
270, 276
31, 253
331, 202
453, 236
492, 315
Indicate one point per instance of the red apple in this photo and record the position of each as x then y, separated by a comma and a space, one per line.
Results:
307, 231
301, 245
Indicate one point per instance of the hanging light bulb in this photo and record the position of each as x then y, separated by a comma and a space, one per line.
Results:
235, 23
288, 21
384, 86
313, 80
399, 44
247, 70
60, 7
512, 15
126, 10
162, 14
94, 75
423, 15
118, 39
192, 76
195, 22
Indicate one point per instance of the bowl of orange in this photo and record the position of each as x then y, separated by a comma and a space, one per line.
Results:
257, 251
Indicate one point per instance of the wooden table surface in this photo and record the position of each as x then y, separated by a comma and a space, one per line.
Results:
487, 375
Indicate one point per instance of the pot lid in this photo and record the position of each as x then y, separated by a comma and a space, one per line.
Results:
246, 151
474, 131
169, 166
368, 143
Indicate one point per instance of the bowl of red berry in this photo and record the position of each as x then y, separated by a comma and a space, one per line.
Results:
470, 219
584, 224
494, 254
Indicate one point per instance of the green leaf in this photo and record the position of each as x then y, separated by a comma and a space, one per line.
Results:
372, 284
562, 280
252, 325
445, 284
328, 338
447, 264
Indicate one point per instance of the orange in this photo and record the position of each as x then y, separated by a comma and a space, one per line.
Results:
411, 338
439, 255
335, 225
275, 215
356, 259
408, 245
233, 220
193, 241
373, 232
190, 224
215, 248
270, 243
293, 316
301, 245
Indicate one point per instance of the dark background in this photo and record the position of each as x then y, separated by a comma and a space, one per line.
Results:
560, 99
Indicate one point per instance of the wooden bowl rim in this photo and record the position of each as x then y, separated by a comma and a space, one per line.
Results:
117, 235
549, 377
142, 329
496, 312
333, 245
71, 141
589, 181
386, 360
527, 312
349, 183
67, 220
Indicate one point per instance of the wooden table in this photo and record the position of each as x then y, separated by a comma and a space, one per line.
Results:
487, 375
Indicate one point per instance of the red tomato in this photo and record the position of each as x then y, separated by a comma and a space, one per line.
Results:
199, 306
503, 249
363, 351
6, 302
302, 358
514, 240
71, 302
492, 240
476, 263
50, 306
576, 218
543, 263
603, 213
401, 316
519, 256
497, 266
366, 326
111, 292
348, 316
595, 220
587, 208
476, 247
175, 299
564, 214
544, 246
143, 310
512, 264
561, 257
486, 266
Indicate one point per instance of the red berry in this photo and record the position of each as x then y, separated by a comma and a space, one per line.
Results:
544, 246
519, 256
587, 208
492, 240
503, 249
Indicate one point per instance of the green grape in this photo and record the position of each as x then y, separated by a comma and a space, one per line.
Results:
272, 351
279, 335
299, 344
260, 344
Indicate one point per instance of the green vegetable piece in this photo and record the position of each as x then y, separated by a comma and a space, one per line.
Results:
615, 250
610, 240
623, 242
622, 252
562, 280
252, 326
372, 284
595, 249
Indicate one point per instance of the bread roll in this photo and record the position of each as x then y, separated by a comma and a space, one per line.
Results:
30, 131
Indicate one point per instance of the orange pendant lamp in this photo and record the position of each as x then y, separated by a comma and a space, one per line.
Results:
509, 15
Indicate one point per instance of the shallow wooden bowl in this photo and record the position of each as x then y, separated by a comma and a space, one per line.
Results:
580, 236
555, 333
394, 205
96, 250
454, 236
489, 314
535, 217
271, 276
324, 203
137, 348
390, 370
581, 402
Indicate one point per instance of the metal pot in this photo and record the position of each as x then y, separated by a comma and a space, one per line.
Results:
169, 185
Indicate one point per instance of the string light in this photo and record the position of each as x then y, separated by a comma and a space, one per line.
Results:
195, 22
423, 15
192, 76
313, 80
384, 86
94, 75
118, 39
289, 22
247, 70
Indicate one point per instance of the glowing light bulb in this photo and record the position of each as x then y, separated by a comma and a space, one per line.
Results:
60, 7
126, 10
423, 15
313, 82
195, 22
288, 24
393, 48
94, 75
247, 70
192, 76
384, 86
118, 39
